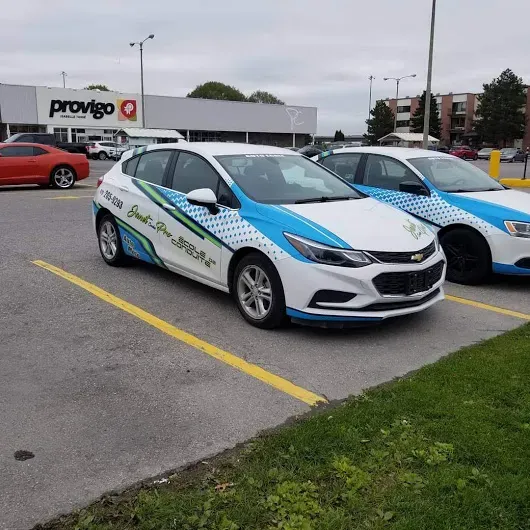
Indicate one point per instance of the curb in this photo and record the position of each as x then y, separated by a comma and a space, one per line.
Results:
515, 183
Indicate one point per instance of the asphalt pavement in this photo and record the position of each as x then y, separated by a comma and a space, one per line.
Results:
105, 395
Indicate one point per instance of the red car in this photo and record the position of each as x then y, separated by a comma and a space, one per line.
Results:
25, 163
464, 152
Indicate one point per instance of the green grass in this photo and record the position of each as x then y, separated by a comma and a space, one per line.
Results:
447, 448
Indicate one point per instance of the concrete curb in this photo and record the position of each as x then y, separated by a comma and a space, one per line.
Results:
515, 183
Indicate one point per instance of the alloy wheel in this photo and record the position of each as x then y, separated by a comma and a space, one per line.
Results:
108, 240
254, 291
63, 177
460, 259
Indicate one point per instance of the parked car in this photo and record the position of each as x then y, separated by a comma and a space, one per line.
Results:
511, 154
284, 235
25, 163
464, 152
310, 150
104, 150
48, 139
483, 227
485, 153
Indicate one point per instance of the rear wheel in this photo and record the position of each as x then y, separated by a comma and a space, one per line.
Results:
258, 292
468, 256
110, 242
102, 155
62, 177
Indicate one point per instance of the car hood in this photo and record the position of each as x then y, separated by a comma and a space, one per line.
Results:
362, 224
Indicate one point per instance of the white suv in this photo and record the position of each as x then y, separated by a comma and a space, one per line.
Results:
104, 150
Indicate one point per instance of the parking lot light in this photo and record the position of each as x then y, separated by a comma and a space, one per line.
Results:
141, 44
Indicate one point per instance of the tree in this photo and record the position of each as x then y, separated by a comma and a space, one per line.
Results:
381, 123
500, 115
435, 126
217, 90
103, 88
339, 136
260, 96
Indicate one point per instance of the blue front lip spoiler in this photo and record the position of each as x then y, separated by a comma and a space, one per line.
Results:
503, 268
294, 313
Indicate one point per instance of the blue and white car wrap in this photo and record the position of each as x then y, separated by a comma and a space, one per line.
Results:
160, 225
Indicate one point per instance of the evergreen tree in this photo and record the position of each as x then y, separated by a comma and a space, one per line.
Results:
500, 112
435, 126
381, 123
339, 136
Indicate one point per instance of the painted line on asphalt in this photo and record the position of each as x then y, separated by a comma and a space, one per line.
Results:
228, 358
66, 197
480, 305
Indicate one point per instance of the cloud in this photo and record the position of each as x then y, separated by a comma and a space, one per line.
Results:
306, 52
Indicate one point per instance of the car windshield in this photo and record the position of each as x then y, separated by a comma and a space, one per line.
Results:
13, 138
285, 179
454, 175
508, 151
486, 150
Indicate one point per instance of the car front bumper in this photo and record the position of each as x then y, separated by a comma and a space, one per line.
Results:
508, 253
302, 281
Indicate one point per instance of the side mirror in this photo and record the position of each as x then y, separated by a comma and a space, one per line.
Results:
203, 197
413, 187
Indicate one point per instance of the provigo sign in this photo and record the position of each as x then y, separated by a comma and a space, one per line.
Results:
81, 108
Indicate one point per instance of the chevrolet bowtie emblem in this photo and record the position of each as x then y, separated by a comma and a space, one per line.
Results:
417, 257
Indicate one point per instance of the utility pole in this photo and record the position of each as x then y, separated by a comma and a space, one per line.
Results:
397, 80
427, 113
64, 74
371, 78
141, 44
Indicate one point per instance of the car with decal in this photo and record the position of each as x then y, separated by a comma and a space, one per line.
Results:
284, 235
483, 226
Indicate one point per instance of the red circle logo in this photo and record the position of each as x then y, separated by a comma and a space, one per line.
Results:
128, 108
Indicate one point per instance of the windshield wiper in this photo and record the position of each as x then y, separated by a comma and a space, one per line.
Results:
475, 190
325, 199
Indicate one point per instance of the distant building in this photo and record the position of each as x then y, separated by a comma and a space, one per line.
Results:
457, 114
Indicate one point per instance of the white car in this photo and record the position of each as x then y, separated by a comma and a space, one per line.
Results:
483, 226
104, 150
285, 235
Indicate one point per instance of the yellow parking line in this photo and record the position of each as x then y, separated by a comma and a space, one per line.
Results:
65, 197
488, 307
251, 369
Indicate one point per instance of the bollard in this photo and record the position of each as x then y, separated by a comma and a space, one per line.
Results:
495, 164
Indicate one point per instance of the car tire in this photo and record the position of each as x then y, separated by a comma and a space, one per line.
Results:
475, 157
254, 277
63, 177
102, 155
109, 242
468, 256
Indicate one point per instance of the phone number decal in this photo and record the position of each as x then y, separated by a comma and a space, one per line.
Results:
113, 199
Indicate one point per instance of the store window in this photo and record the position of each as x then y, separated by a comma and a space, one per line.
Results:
61, 134
205, 136
75, 133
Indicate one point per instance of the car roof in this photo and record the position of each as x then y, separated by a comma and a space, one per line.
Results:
220, 148
400, 153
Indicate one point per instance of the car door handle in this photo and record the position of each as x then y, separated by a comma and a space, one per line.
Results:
123, 188
167, 206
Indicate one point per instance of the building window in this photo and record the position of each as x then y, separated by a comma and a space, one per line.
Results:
75, 132
403, 123
458, 123
205, 136
459, 106
61, 134
405, 108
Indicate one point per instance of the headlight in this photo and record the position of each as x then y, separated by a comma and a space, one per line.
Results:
518, 229
328, 255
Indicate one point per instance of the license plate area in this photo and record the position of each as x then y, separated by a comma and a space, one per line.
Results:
418, 282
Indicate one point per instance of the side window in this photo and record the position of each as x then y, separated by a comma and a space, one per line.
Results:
16, 151
37, 151
152, 166
192, 172
225, 196
345, 165
27, 138
129, 166
46, 139
387, 173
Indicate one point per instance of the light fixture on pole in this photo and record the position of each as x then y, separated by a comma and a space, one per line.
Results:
141, 44
371, 78
64, 74
427, 112
397, 80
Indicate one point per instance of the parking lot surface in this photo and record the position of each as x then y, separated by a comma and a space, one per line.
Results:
114, 375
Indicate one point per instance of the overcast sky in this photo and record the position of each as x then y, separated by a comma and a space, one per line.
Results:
307, 52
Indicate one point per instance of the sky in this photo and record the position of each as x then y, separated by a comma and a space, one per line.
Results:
306, 52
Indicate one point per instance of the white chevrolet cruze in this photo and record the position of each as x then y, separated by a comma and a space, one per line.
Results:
282, 233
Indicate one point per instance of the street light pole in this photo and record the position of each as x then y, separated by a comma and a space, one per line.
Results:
371, 78
64, 74
141, 44
397, 80
427, 112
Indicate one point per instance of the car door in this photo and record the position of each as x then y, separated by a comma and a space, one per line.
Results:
126, 192
17, 164
343, 164
391, 181
185, 241
43, 164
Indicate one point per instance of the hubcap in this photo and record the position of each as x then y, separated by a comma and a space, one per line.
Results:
254, 292
63, 177
108, 240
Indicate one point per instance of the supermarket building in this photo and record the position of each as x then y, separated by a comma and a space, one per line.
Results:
89, 115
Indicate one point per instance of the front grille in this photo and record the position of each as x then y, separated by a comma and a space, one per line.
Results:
388, 306
404, 257
407, 283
